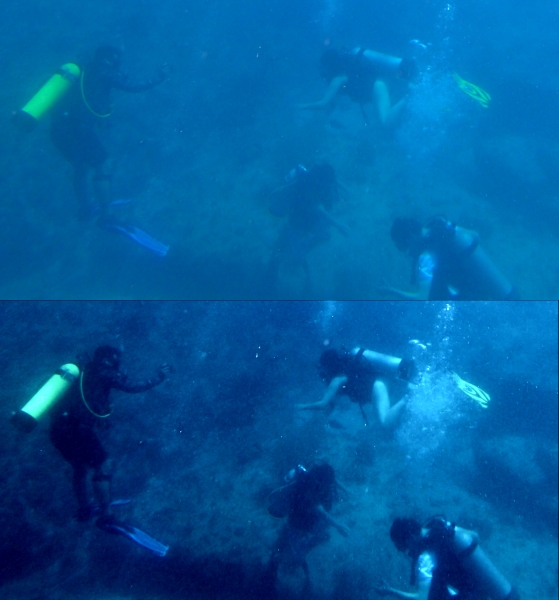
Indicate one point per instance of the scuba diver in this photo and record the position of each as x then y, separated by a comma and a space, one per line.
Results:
306, 201
84, 407
448, 263
75, 121
306, 501
359, 374
360, 74
447, 562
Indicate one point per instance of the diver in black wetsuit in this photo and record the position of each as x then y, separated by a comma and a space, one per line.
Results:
76, 119
306, 502
307, 202
72, 429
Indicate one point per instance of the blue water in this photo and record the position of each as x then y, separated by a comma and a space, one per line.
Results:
199, 454
200, 154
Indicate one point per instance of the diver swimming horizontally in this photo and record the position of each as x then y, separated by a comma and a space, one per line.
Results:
361, 74
363, 376
366, 76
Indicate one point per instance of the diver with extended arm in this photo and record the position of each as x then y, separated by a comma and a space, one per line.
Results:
359, 374
74, 132
85, 407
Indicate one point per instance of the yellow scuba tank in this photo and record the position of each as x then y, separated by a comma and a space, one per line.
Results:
26, 418
42, 102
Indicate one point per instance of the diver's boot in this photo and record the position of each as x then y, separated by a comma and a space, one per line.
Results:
102, 491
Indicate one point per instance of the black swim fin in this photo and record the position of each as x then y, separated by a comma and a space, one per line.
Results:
111, 525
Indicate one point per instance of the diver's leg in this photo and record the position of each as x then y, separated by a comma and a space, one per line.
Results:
102, 179
271, 573
307, 587
67, 438
95, 457
395, 113
68, 137
277, 259
81, 192
270, 576
79, 484
98, 159
102, 490
388, 415
388, 114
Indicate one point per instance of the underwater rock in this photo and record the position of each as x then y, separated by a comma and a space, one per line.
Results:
514, 158
510, 459
519, 471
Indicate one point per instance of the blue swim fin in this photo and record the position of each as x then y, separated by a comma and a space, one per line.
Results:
111, 525
137, 235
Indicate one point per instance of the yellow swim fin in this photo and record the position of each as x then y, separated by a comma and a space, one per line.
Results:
472, 90
477, 394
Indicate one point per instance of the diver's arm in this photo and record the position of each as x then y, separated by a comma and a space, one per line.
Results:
335, 85
384, 589
425, 567
422, 593
344, 489
120, 381
341, 227
343, 529
426, 265
120, 81
416, 295
329, 396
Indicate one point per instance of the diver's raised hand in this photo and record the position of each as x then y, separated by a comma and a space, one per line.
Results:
343, 229
164, 371
164, 71
343, 529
